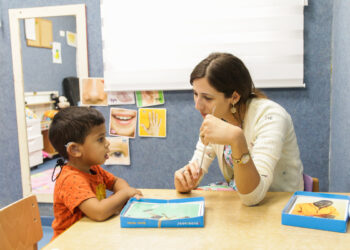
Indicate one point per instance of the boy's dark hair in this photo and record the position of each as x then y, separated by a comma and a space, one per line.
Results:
73, 124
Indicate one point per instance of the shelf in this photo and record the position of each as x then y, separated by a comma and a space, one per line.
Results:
39, 103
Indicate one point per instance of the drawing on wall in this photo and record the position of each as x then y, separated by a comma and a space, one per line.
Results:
56, 52
121, 97
92, 92
30, 28
118, 151
71, 39
152, 122
149, 98
122, 122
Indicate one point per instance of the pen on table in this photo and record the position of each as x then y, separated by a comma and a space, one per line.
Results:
205, 147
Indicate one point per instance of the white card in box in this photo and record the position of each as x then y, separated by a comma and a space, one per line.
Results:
33, 127
35, 143
35, 158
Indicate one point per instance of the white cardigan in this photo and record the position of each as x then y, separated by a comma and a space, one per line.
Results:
272, 144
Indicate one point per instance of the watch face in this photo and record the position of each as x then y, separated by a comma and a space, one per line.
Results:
245, 158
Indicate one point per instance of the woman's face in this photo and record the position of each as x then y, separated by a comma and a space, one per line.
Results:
93, 92
123, 122
206, 98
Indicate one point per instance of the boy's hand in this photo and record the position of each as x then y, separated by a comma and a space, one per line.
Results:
132, 192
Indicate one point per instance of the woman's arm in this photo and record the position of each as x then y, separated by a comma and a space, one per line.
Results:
214, 130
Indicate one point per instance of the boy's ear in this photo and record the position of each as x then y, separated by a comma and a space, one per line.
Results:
73, 149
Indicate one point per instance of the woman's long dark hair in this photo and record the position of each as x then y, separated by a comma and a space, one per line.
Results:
227, 73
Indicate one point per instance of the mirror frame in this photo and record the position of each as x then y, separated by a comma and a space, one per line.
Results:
15, 16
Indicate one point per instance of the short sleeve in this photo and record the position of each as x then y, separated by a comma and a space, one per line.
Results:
108, 178
74, 190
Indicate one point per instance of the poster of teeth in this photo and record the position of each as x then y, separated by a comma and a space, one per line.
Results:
122, 122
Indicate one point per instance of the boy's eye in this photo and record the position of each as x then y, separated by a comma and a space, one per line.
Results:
101, 139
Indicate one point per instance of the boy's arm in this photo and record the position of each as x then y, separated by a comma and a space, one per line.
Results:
100, 210
119, 184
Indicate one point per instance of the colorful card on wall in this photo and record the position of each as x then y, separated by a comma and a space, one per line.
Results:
92, 92
149, 98
122, 122
71, 39
56, 52
152, 122
121, 97
119, 153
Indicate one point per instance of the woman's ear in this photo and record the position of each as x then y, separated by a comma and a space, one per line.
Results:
73, 149
235, 98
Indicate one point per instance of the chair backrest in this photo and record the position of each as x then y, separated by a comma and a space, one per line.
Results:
315, 185
311, 184
20, 224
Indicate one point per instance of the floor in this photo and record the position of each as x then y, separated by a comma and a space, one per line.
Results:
47, 164
47, 231
46, 221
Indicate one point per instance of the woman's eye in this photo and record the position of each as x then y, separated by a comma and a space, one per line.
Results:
208, 98
117, 154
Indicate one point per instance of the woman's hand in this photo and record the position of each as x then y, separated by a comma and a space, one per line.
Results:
186, 178
154, 124
215, 130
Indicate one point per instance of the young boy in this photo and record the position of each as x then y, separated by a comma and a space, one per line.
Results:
79, 135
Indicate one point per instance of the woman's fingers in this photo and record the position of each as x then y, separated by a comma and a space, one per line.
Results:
180, 178
185, 177
194, 168
189, 179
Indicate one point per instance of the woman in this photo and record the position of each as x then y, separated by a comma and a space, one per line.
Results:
252, 136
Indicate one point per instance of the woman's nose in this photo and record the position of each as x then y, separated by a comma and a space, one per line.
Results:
198, 104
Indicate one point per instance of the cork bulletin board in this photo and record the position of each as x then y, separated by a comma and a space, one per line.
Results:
43, 31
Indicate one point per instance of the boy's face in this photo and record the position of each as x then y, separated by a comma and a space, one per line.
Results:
96, 147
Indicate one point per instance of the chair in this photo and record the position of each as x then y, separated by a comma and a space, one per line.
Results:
20, 225
311, 184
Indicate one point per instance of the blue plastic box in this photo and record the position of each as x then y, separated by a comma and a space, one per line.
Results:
328, 224
193, 221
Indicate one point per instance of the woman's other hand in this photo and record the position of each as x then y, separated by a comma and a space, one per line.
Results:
186, 178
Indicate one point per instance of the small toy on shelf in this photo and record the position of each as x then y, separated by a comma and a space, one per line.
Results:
61, 102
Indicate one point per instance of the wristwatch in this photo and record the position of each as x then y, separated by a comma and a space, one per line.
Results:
244, 159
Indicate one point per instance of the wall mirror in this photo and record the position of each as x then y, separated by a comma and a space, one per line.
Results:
27, 82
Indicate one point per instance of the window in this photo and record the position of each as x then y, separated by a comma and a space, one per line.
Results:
155, 44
